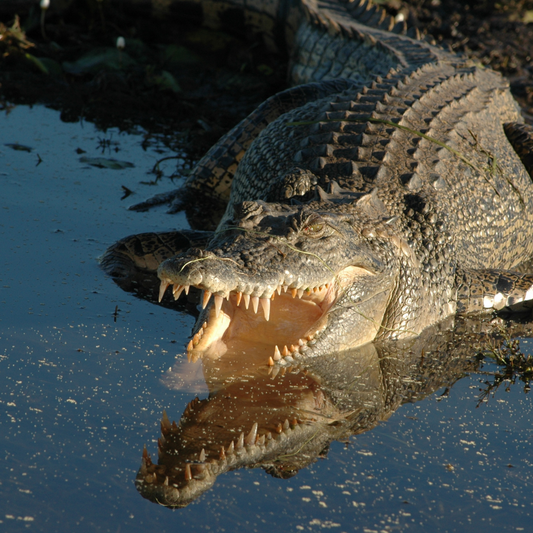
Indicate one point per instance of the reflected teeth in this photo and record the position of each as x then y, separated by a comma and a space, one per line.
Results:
188, 473
277, 353
163, 287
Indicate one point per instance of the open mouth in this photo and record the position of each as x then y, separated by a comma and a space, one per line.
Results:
283, 324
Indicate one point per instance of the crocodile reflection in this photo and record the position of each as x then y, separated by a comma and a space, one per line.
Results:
283, 419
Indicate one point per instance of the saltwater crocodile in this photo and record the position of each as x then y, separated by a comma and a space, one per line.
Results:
389, 188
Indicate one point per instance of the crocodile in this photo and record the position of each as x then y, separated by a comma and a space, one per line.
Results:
388, 188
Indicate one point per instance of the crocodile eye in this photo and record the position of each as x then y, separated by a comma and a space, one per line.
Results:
313, 229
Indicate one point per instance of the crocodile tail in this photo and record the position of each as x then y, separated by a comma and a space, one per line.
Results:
493, 290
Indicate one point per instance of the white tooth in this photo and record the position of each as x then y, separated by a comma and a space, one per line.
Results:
177, 290
265, 304
246, 298
277, 354
164, 284
206, 298
255, 303
300, 293
278, 289
285, 287
187, 287
218, 304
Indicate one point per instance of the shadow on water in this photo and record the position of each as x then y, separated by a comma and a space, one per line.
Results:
86, 370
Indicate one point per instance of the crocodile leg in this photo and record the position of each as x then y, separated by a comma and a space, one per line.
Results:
493, 290
521, 138
206, 192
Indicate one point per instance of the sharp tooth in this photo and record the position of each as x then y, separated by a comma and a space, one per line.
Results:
186, 287
301, 342
231, 448
218, 304
261, 440
250, 438
201, 457
163, 287
240, 442
300, 293
255, 303
285, 287
278, 289
177, 290
285, 351
265, 304
279, 428
277, 354
294, 292
246, 298
206, 298
270, 361
222, 454
239, 297
190, 346
165, 422
188, 473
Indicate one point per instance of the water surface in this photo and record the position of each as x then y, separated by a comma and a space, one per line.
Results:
81, 392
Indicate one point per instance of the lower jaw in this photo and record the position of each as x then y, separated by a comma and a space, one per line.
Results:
288, 332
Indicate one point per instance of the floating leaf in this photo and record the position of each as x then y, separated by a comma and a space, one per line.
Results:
102, 162
96, 60
19, 147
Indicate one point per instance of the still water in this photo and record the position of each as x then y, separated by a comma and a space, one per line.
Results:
86, 371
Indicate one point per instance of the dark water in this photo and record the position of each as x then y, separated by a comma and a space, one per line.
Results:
81, 392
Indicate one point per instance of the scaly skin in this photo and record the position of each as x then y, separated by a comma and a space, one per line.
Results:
428, 205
